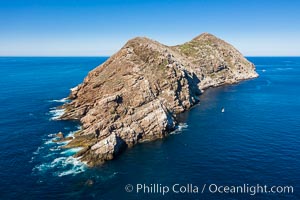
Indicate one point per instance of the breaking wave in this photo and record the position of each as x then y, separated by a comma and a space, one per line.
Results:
63, 100
51, 158
62, 166
56, 113
181, 127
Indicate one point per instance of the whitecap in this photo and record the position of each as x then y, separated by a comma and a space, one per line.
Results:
57, 113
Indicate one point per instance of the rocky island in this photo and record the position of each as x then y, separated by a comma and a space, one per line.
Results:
136, 95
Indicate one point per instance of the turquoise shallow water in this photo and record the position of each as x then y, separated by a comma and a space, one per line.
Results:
255, 141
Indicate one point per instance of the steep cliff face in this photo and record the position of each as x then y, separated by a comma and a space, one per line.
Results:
135, 95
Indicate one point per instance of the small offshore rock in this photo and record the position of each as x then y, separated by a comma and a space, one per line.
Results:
89, 182
60, 135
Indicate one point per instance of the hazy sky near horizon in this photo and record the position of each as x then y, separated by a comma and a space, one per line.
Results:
101, 27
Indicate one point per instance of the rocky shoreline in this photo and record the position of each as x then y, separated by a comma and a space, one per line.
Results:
137, 93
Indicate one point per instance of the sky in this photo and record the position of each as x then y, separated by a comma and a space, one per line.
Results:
101, 27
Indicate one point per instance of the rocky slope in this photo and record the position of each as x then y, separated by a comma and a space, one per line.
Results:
136, 94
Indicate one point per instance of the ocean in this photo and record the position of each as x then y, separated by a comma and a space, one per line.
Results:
255, 141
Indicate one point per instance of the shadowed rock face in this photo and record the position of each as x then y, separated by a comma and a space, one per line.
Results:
135, 95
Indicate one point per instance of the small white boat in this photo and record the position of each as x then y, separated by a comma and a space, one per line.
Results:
223, 110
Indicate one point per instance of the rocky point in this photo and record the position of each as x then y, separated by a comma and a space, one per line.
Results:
136, 95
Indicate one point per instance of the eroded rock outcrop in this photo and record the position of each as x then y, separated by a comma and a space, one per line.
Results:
136, 94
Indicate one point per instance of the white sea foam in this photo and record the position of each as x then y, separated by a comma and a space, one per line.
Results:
179, 128
74, 88
49, 141
55, 149
182, 126
49, 155
57, 113
63, 100
38, 150
70, 165
52, 135
41, 168
72, 151
71, 133
63, 166
63, 143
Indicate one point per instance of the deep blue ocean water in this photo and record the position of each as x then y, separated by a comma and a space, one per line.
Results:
255, 141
